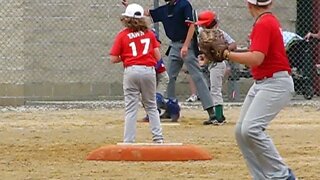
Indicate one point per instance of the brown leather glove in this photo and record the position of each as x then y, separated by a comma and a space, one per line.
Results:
212, 44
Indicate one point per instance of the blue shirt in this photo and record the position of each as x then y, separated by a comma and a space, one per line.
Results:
175, 19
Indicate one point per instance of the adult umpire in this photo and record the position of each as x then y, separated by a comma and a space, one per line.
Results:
178, 22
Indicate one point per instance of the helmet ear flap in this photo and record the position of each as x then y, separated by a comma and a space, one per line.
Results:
161, 103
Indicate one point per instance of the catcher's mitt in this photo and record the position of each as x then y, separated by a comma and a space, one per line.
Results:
212, 44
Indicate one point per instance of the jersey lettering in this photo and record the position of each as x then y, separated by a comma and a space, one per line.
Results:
135, 34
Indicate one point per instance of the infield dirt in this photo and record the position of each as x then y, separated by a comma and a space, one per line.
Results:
53, 144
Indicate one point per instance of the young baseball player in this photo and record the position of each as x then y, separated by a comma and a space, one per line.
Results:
136, 46
180, 29
272, 90
208, 20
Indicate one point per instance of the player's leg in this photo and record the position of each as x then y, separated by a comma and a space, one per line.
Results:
162, 83
233, 81
216, 78
148, 94
217, 92
248, 155
270, 97
206, 74
131, 98
174, 66
192, 65
193, 90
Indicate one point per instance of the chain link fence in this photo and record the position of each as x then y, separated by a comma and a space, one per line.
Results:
58, 49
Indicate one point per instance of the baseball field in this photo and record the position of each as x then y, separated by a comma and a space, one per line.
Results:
52, 143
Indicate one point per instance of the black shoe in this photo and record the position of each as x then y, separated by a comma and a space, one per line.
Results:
291, 175
174, 118
218, 123
165, 115
145, 119
214, 121
209, 121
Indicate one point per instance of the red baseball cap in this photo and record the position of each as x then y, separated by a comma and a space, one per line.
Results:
205, 18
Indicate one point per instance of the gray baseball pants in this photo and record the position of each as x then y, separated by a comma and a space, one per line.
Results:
140, 80
263, 102
162, 83
191, 62
217, 72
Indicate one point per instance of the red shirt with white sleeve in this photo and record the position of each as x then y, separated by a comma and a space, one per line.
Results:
135, 48
266, 37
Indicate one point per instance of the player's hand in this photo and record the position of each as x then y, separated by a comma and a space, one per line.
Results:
201, 57
202, 60
307, 37
201, 63
124, 2
184, 52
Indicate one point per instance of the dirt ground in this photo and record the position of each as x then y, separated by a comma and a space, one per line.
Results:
54, 144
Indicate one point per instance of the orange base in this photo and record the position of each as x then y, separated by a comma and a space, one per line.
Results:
149, 152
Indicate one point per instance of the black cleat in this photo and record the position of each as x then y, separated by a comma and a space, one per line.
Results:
214, 121
165, 115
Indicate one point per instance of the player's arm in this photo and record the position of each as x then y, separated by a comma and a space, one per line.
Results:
147, 12
318, 35
125, 3
115, 51
254, 58
115, 59
309, 35
157, 53
189, 35
188, 16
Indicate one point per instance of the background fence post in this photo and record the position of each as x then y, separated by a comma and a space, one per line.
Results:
316, 53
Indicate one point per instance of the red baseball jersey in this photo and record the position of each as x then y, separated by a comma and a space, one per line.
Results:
135, 48
266, 37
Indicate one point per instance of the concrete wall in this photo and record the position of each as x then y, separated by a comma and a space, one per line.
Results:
58, 50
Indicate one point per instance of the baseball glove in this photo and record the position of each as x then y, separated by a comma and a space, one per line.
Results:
212, 44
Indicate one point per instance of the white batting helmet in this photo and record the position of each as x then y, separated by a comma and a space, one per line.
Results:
260, 2
134, 10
